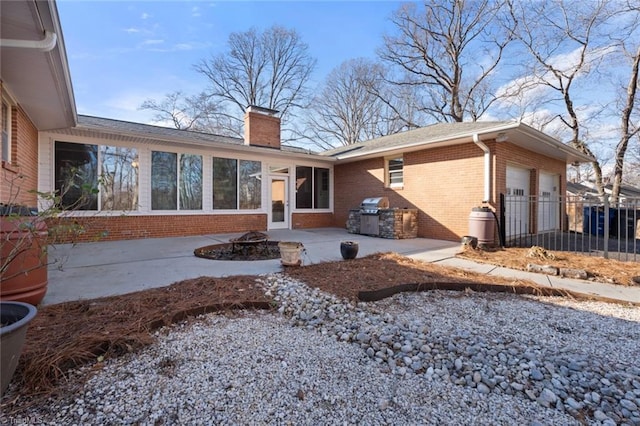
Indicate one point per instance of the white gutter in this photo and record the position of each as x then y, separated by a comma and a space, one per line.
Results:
487, 167
45, 45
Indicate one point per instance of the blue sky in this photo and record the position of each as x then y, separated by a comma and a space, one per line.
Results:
121, 53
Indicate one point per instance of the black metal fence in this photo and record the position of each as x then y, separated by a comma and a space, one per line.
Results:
592, 226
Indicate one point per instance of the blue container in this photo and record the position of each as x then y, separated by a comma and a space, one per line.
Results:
593, 220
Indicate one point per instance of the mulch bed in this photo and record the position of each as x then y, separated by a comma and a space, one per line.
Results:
608, 271
67, 335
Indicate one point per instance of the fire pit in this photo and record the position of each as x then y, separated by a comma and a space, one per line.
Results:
251, 246
252, 240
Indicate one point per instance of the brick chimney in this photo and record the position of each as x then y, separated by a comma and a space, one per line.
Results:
261, 127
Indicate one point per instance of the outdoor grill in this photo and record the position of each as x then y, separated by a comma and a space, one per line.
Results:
369, 214
373, 205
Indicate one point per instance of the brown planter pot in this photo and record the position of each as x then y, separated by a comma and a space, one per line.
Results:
14, 319
25, 278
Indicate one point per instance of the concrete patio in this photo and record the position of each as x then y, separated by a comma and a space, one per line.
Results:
91, 270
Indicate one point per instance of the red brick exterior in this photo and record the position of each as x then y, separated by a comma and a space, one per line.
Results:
261, 129
20, 177
444, 184
508, 153
312, 220
104, 228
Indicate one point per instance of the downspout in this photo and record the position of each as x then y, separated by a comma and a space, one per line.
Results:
45, 45
487, 167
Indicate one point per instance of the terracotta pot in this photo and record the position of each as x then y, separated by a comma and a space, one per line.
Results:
349, 249
14, 320
24, 246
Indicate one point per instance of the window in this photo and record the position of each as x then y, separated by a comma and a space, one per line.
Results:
237, 184
304, 192
321, 188
312, 187
92, 177
6, 130
164, 176
250, 185
76, 175
119, 178
172, 181
190, 182
225, 183
394, 168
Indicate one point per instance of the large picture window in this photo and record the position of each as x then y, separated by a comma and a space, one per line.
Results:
237, 184
312, 187
76, 175
119, 178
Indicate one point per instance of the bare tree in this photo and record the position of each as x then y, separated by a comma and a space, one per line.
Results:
199, 113
561, 36
450, 50
630, 111
269, 69
350, 108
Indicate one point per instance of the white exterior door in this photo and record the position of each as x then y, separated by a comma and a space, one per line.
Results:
279, 208
517, 201
548, 206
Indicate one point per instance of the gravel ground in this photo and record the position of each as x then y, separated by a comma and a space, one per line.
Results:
421, 358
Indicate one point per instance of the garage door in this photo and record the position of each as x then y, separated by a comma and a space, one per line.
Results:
548, 202
517, 201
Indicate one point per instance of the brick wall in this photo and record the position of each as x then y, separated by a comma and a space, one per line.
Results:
21, 175
444, 184
261, 129
103, 228
509, 154
312, 220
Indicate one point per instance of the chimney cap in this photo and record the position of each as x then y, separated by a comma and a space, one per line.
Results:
255, 108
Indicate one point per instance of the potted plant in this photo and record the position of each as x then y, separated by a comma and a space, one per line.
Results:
25, 235
14, 320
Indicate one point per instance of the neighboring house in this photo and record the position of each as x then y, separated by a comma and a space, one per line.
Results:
157, 182
589, 191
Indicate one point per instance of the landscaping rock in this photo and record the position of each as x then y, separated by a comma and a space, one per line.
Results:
542, 269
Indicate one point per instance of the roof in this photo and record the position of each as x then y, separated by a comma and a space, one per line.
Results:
109, 125
37, 77
626, 190
89, 126
447, 134
590, 190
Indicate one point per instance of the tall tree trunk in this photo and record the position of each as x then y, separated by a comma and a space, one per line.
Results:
626, 131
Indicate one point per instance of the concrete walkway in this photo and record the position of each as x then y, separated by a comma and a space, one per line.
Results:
90, 270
